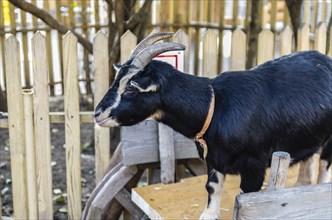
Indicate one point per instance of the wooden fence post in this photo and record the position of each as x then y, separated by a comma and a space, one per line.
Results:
127, 44
30, 154
320, 38
42, 127
101, 84
181, 37
279, 168
286, 37
16, 127
239, 49
303, 42
72, 125
210, 54
265, 46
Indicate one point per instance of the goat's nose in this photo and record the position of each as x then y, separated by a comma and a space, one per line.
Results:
98, 112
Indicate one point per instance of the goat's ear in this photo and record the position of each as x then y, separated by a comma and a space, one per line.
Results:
117, 66
144, 86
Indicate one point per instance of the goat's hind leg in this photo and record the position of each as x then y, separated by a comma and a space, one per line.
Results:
214, 186
325, 169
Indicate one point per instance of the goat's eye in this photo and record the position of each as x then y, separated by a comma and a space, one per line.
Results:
130, 90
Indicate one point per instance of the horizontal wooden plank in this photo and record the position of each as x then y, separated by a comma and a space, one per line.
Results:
55, 117
140, 144
304, 202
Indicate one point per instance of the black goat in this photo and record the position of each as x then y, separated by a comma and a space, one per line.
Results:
284, 104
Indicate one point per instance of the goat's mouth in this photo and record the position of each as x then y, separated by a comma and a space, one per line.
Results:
107, 122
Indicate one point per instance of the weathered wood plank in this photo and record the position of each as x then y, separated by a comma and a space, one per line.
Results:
279, 169
72, 125
128, 43
181, 37
303, 42
30, 154
101, 80
239, 49
16, 127
286, 41
210, 54
305, 202
320, 38
109, 190
124, 198
265, 50
42, 127
166, 152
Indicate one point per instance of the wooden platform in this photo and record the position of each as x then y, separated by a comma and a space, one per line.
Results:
187, 199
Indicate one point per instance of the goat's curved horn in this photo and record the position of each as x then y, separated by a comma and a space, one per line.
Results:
145, 56
149, 40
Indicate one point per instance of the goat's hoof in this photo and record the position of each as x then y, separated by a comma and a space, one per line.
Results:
209, 216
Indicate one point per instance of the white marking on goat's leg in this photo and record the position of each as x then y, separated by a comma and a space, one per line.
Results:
214, 189
324, 172
306, 172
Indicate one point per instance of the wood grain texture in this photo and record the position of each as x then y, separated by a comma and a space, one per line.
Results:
305, 202
265, 46
320, 38
101, 81
140, 144
114, 184
30, 154
286, 38
239, 48
127, 43
72, 125
181, 37
166, 152
279, 168
16, 127
42, 127
210, 54
303, 42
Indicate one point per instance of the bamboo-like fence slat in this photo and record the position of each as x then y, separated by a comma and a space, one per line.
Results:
127, 43
265, 48
72, 125
239, 48
320, 38
221, 34
42, 127
101, 82
16, 127
12, 18
306, 12
273, 12
235, 12
314, 15
303, 42
30, 154
210, 54
286, 38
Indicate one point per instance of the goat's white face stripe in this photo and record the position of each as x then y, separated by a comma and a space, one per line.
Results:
212, 211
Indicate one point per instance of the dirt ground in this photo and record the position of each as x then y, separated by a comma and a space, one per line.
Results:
58, 163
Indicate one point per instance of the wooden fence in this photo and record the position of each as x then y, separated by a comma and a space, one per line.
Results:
29, 118
89, 16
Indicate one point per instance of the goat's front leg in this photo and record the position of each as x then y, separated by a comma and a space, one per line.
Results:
214, 186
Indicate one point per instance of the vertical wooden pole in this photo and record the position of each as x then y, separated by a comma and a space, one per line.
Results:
273, 14
30, 154
265, 50
86, 53
49, 52
2, 43
101, 81
25, 51
320, 38
306, 12
235, 12
314, 20
72, 125
58, 17
239, 48
286, 39
303, 42
42, 126
181, 37
210, 51
221, 35
16, 127
279, 169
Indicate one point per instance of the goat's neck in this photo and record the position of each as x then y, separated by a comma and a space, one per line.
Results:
186, 100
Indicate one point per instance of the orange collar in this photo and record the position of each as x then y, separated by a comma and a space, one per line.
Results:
199, 135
